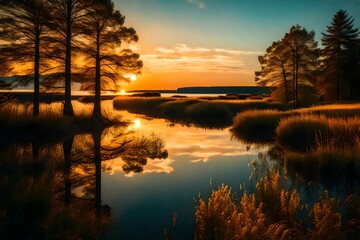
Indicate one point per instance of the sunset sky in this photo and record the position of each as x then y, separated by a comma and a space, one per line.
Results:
216, 42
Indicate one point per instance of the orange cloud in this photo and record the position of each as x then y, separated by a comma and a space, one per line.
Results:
182, 58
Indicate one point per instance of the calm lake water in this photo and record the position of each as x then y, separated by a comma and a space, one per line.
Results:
144, 204
150, 188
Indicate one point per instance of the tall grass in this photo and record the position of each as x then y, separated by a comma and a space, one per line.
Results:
247, 125
255, 126
273, 212
301, 133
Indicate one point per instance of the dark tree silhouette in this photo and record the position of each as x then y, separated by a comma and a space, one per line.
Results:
339, 58
291, 61
23, 28
107, 59
67, 25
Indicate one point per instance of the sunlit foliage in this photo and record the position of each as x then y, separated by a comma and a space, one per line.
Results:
290, 66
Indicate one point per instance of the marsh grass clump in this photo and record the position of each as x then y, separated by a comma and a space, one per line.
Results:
255, 126
221, 218
298, 133
246, 105
175, 110
273, 212
303, 133
209, 112
332, 110
326, 219
203, 112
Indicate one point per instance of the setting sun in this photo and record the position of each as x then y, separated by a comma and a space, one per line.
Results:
137, 123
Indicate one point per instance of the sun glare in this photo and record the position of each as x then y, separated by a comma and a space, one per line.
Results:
137, 123
131, 77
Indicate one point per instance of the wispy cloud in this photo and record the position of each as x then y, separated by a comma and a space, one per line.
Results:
197, 59
199, 3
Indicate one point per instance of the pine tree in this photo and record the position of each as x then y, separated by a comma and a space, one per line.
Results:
339, 62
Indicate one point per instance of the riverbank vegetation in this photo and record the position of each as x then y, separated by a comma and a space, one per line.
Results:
249, 125
316, 147
192, 111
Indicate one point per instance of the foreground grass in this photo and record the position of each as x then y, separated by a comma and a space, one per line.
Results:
192, 111
274, 212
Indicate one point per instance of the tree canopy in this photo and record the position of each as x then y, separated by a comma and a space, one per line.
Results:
290, 65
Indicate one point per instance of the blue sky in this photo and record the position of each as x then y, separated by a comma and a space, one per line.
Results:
182, 40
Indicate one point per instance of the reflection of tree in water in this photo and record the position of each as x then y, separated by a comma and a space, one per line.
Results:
90, 151
29, 206
40, 184
139, 150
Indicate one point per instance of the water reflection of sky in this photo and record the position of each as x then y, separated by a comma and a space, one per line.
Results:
143, 204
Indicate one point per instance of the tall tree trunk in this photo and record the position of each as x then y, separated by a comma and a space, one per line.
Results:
97, 101
285, 82
68, 109
36, 102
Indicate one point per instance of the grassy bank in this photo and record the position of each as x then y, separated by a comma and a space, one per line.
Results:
317, 145
192, 111
248, 125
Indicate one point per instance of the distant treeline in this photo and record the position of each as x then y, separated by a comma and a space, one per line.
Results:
226, 90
